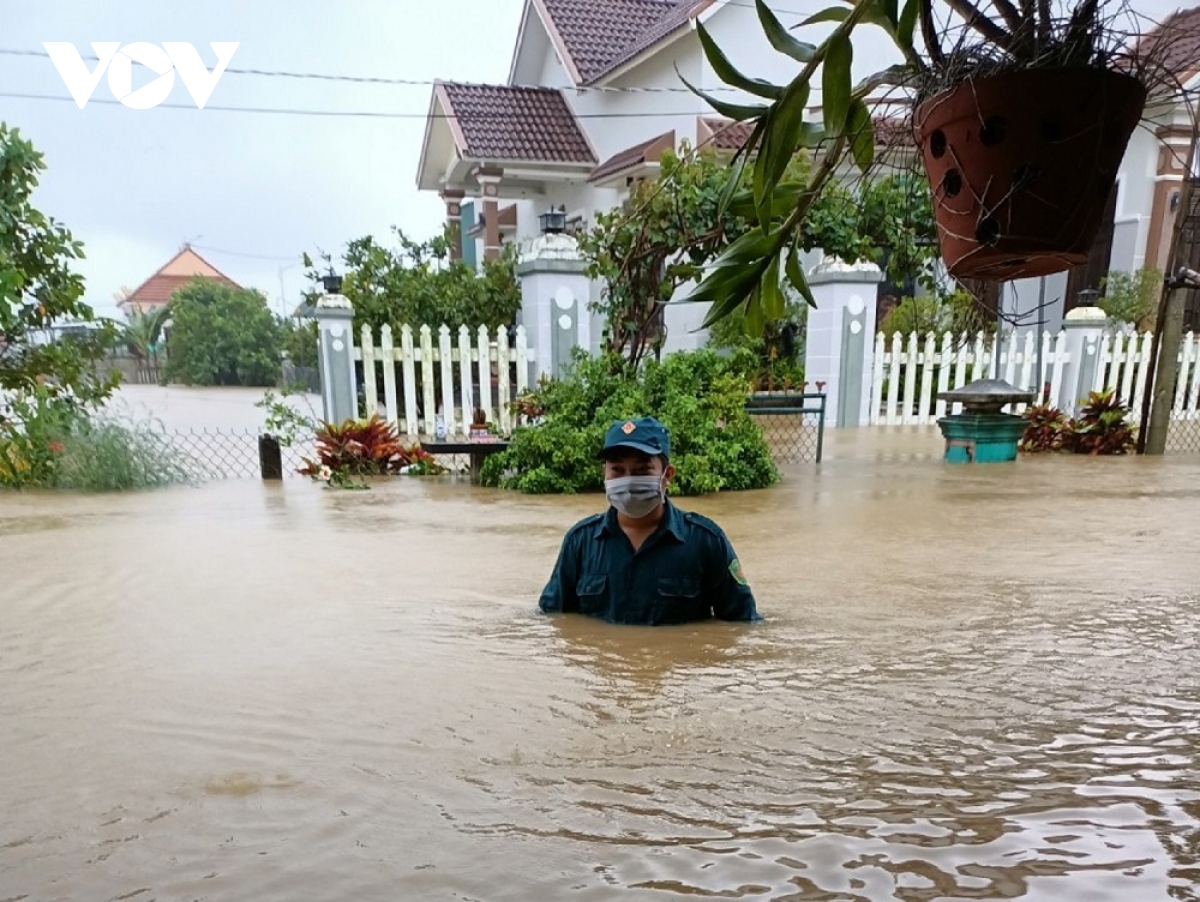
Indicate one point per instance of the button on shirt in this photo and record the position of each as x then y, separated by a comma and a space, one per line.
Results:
685, 571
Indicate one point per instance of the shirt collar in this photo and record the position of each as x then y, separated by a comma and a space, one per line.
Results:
672, 522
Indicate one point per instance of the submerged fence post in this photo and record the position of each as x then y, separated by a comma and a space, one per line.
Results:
270, 457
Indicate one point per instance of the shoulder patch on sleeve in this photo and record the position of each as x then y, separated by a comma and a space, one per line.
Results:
739, 574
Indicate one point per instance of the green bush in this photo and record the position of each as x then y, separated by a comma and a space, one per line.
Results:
700, 396
48, 441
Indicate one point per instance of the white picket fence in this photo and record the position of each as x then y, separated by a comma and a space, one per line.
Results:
909, 372
423, 376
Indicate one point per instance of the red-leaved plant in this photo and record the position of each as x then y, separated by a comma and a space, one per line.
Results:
1102, 427
366, 448
1046, 429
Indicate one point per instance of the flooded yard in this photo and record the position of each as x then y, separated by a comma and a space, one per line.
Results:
973, 682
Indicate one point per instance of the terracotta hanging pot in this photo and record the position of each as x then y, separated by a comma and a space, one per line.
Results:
1021, 166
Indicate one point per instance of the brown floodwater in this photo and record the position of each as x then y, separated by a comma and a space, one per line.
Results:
973, 682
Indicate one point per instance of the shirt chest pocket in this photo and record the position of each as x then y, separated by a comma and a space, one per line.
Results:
679, 599
592, 592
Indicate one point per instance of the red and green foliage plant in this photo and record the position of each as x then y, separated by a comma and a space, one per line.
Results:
367, 448
1045, 432
1102, 427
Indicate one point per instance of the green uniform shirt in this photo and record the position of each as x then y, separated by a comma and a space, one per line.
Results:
685, 571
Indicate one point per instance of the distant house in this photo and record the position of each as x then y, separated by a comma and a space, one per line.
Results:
156, 291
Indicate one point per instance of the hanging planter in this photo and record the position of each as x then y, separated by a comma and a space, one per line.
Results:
1021, 165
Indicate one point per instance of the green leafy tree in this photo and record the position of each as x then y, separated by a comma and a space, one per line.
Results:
1132, 298
222, 336
699, 395
416, 284
299, 342
38, 288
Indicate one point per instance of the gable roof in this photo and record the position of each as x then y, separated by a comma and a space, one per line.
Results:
647, 152
171, 276
1180, 34
499, 122
596, 37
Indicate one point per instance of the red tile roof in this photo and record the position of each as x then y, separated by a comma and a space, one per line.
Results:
498, 122
1180, 51
184, 266
647, 152
602, 35
724, 134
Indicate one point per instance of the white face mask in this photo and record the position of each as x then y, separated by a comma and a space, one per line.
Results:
635, 496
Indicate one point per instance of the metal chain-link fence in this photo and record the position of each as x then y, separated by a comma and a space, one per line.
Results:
793, 426
213, 454
1183, 437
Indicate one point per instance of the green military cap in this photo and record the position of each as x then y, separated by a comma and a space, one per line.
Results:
645, 434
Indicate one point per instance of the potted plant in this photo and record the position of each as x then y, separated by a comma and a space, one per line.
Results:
479, 424
1021, 119
1022, 127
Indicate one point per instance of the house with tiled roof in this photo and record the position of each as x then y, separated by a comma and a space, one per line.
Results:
156, 291
592, 100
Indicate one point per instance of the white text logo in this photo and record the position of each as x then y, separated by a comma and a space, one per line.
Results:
164, 61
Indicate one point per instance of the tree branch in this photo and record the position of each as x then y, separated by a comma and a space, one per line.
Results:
982, 24
933, 44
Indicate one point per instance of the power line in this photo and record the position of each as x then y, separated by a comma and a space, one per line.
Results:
404, 82
369, 114
426, 82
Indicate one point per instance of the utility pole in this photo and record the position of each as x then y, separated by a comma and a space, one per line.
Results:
1168, 329
1166, 369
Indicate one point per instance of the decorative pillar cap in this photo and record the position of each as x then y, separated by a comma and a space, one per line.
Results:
333, 306
834, 269
1082, 317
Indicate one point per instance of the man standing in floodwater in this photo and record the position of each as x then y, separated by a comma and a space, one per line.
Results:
645, 561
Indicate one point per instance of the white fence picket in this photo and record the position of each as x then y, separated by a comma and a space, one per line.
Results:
427, 384
877, 379
464, 370
924, 410
408, 375
485, 369
893, 392
911, 363
943, 382
370, 385
388, 353
502, 382
446, 359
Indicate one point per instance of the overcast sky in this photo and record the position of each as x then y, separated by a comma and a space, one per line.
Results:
250, 190
133, 185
